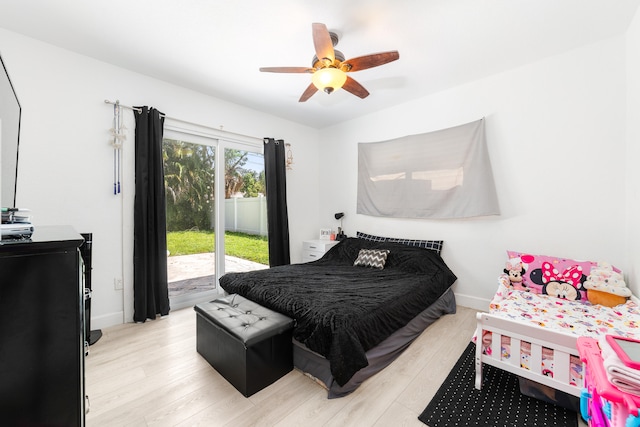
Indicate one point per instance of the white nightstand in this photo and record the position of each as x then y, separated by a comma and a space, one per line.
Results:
315, 249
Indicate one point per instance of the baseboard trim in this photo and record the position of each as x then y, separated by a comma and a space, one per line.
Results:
106, 320
117, 318
469, 301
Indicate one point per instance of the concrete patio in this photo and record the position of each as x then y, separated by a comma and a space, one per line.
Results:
196, 273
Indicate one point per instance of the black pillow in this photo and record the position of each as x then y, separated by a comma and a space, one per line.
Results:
434, 245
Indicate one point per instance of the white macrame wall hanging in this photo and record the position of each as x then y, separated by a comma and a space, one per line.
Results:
118, 135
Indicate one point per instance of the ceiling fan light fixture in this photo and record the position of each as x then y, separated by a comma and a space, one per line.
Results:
329, 79
329, 68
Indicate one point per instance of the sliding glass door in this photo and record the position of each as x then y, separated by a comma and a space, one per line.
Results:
245, 211
216, 213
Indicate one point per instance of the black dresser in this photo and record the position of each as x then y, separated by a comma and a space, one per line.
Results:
42, 330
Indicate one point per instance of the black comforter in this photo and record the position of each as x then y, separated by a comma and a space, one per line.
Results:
341, 311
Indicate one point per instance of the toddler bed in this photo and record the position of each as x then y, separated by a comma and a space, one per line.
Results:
534, 335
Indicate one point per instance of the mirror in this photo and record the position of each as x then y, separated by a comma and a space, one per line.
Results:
9, 139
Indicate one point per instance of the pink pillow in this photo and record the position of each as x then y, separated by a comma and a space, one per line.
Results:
560, 277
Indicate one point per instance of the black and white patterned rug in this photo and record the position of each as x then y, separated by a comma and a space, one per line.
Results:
500, 403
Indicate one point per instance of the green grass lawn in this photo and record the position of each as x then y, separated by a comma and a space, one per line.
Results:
246, 246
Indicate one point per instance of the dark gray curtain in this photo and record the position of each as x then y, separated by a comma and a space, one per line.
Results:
150, 284
276, 188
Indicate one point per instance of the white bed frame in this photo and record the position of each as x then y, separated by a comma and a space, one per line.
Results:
562, 344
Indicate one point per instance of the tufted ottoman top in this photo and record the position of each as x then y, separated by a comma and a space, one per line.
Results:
244, 319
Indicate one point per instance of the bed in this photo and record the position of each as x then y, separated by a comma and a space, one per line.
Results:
534, 336
353, 320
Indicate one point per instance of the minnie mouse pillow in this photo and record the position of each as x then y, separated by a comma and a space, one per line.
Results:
555, 276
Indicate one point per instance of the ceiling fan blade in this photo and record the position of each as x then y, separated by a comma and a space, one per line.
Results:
322, 42
286, 69
308, 93
355, 88
373, 60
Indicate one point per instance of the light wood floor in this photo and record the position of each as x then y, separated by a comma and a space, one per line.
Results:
151, 375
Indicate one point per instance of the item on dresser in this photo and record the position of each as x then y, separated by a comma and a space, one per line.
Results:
340, 235
325, 234
16, 224
15, 215
16, 231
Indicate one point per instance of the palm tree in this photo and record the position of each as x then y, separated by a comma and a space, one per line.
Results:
189, 182
233, 162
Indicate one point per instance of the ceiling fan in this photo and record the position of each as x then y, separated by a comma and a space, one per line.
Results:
329, 68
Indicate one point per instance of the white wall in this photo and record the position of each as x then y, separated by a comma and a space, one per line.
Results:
556, 136
633, 155
557, 133
66, 162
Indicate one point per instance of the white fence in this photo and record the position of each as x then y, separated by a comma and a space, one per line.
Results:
246, 215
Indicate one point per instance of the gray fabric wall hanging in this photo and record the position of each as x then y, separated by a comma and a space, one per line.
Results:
441, 174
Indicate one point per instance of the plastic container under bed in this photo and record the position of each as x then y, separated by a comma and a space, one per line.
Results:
601, 403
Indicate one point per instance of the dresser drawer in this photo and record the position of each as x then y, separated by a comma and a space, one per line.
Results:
314, 249
318, 245
311, 255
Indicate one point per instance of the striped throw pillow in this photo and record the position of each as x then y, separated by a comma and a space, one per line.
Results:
374, 258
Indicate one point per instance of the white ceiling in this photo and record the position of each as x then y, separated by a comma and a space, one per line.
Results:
216, 47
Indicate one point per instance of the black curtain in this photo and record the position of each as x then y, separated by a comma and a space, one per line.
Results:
150, 284
276, 189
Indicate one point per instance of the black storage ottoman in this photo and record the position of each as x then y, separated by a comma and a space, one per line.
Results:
246, 343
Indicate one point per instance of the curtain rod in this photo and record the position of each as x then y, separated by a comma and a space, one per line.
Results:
139, 110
